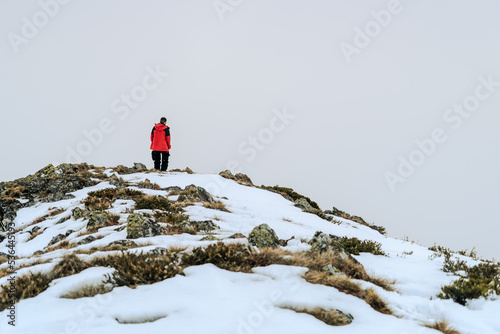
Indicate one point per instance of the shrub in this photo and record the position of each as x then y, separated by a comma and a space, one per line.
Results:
27, 286
69, 265
355, 246
102, 199
155, 203
233, 257
136, 269
173, 218
450, 266
463, 289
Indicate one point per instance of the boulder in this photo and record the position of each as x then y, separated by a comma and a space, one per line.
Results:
205, 225
237, 236
243, 178
263, 236
139, 167
115, 181
209, 238
79, 213
199, 193
140, 226
56, 239
87, 240
303, 204
322, 242
98, 219
124, 243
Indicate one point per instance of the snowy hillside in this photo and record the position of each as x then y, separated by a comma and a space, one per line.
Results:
128, 250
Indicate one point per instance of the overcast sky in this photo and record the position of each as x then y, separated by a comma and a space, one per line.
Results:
384, 109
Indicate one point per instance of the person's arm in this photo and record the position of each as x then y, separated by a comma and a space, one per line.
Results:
167, 137
152, 134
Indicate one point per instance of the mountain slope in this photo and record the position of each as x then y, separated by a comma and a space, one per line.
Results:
173, 214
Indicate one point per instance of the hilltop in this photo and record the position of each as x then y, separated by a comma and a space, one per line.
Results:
86, 249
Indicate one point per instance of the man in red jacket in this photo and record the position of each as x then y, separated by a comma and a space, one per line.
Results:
160, 144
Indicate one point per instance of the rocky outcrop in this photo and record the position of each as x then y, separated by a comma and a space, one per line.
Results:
240, 178
49, 184
263, 236
138, 167
141, 226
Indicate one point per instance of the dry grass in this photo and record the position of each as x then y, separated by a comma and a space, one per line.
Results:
4, 272
88, 291
330, 317
339, 282
34, 235
287, 220
62, 245
374, 300
3, 259
444, 327
217, 205
14, 192
56, 211
33, 263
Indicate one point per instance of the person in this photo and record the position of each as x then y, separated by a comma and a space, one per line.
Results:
160, 144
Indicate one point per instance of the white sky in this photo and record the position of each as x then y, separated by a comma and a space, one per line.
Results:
352, 120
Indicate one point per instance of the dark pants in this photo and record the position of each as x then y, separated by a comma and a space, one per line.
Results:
161, 160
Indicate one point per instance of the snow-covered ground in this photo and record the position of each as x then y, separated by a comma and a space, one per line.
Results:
211, 300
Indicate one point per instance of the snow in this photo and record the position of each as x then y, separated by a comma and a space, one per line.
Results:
211, 300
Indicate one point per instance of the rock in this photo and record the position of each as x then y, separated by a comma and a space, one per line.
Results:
237, 236
124, 243
79, 213
56, 239
115, 181
68, 232
174, 189
139, 167
98, 219
240, 178
322, 242
34, 229
331, 270
62, 220
209, 238
343, 318
206, 225
263, 236
140, 226
121, 228
87, 240
243, 178
199, 193
183, 198
2, 238
227, 174
303, 204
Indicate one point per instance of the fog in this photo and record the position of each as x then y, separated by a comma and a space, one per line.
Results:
385, 109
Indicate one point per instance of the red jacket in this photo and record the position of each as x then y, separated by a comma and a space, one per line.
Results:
160, 138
